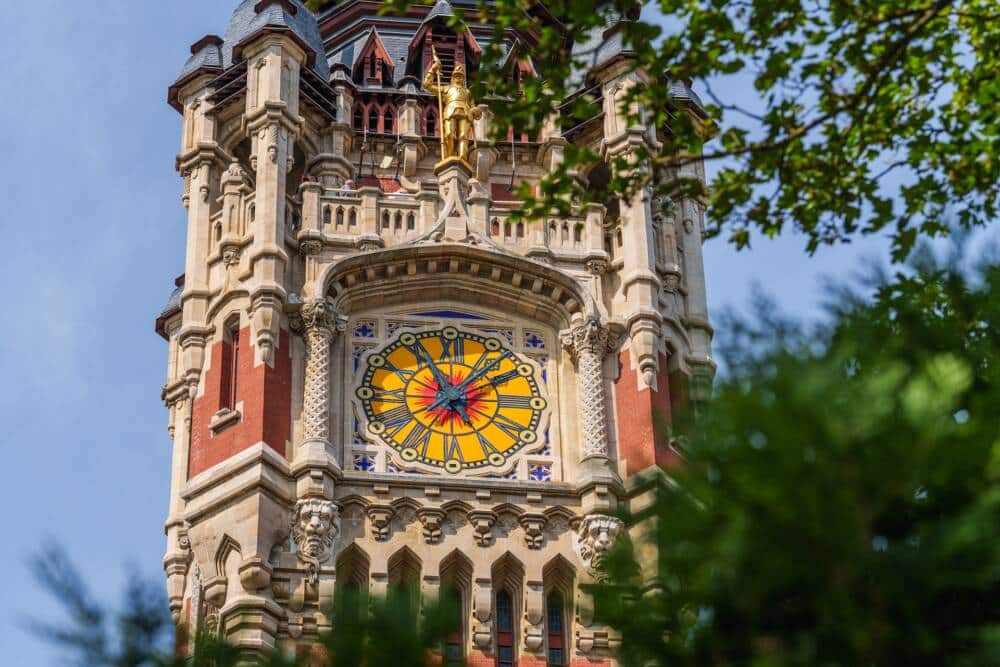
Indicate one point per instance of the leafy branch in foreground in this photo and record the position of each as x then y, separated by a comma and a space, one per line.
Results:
868, 117
840, 499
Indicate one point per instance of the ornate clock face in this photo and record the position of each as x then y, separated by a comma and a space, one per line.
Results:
451, 399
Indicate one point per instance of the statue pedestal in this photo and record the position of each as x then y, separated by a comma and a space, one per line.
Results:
453, 222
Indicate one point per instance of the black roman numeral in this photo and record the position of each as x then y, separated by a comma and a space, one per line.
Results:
505, 401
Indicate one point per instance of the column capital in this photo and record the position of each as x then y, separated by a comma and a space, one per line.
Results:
590, 336
322, 315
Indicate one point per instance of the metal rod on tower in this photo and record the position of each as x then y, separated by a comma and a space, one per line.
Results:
440, 122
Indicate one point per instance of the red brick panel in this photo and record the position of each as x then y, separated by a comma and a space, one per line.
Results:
266, 395
643, 416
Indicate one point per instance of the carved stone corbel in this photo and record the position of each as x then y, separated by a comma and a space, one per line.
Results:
534, 529
482, 525
380, 519
594, 537
315, 524
432, 521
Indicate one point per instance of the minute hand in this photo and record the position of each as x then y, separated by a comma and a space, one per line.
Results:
475, 377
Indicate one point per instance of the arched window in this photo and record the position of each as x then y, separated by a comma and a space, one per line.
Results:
553, 233
340, 216
520, 230
352, 218
371, 66
554, 629
578, 234
385, 220
389, 120
505, 629
218, 232
495, 228
327, 215
565, 232
398, 226
506, 230
431, 124
372, 119
359, 119
411, 223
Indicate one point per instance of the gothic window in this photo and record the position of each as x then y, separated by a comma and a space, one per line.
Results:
431, 124
565, 232
389, 120
352, 218
371, 67
327, 217
372, 119
359, 119
520, 230
505, 629
453, 650
506, 230
553, 233
578, 234
340, 216
411, 222
229, 372
554, 629
398, 223
495, 228
385, 220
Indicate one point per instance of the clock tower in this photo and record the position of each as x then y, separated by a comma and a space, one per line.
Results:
377, 375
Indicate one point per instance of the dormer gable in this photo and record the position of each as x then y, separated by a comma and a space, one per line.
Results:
373, 66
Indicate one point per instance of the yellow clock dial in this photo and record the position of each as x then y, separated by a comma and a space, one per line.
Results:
451, 399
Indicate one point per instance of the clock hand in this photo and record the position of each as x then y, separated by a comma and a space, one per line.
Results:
465, 415
481, 372
439, 377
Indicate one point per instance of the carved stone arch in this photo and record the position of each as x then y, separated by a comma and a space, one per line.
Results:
404, 569
233, 300
353, 567
507, 578
559, 574
455, 573
227, 547
465, 273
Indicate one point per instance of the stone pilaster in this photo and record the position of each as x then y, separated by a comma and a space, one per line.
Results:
321, 323
589, 342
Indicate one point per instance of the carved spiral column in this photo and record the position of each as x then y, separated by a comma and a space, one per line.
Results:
588, 343
321, 321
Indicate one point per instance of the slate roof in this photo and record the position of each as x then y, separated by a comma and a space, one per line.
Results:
209, 54
245, 21
441, 8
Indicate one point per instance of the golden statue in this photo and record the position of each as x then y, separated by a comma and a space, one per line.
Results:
455, 108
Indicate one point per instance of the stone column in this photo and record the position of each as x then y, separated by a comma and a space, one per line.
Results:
321, 321
589, 342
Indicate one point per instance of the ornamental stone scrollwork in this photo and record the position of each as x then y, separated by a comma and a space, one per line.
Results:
315, 525
594, 537
588, 343
320, 321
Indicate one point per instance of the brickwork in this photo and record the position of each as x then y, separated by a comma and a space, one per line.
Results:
263, 396
643, 416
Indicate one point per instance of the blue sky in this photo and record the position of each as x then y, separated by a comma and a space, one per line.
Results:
94, 231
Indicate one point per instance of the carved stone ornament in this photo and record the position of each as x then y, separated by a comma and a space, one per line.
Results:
596, 535
590, 336
534, 530
315, 525
482, 525
598, 267
311, 247
231, 256
432, 521
380, 518
321, 314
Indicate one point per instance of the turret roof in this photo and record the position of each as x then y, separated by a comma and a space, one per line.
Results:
292, 15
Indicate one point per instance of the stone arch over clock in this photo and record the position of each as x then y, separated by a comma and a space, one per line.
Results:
444, 388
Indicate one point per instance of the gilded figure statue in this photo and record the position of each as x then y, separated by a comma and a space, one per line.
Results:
456, 108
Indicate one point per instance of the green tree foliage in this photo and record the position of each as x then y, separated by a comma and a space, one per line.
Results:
870, 116
839, 506
840, 501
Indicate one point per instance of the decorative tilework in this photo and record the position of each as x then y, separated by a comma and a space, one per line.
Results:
391, 327
364, 462
365, 329
506, 334
450, 314
533, 341
540, 472
357, 352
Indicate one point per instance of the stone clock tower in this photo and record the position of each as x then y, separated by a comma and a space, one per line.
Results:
377, 377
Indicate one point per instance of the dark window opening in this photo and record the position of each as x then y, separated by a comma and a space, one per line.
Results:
230, 366
505, 629
554, 629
